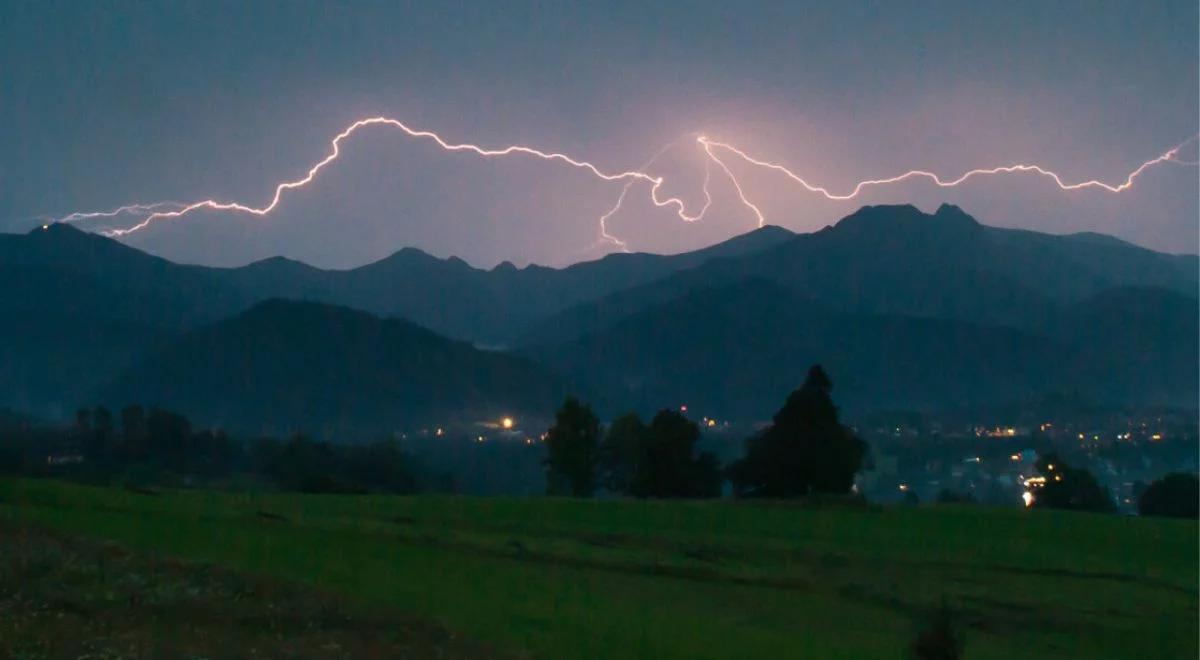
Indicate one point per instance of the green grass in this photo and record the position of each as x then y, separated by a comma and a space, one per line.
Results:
561, 578
66, 597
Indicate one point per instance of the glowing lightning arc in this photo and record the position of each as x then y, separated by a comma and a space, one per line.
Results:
166, 210
1169, 155
210, 204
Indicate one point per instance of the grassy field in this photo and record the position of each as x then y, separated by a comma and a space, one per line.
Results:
66, 597
554, 578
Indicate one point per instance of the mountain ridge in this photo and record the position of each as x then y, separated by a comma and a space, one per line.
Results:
90, 308
283, 366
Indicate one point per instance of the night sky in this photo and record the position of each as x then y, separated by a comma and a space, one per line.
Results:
104, 103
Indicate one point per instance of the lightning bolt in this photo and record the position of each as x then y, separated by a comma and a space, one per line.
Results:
336, 151
606, 237
128, 209
1171, 155
157, 211
737, 186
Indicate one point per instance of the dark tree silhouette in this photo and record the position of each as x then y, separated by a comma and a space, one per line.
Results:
1176, 495
83, 420
102, 420
666, 464
620, 452
133, 432
805, 450
572, 446
169, 436
98, 443
1070, 488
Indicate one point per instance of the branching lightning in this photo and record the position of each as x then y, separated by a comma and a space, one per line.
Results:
157, 211
1169, 155
128, 209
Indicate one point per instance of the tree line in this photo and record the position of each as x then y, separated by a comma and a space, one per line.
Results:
140, 446
805, 450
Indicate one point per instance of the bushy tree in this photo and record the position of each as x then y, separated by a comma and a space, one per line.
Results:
1070, 488
133, 432
805, 450
572, 450
666, 462
620, 452
169, 438
98, 443
659, 459
1176, 495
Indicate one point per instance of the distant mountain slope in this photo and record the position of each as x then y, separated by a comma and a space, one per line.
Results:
286, 365
78, 307
486, 306
50, 364
736, 350
1133, 344
898, 260
75, 308
60, 268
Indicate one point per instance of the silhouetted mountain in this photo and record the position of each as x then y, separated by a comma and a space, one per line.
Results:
736, 350
490, 307
898, 260
286, 365
62, 270
79, 308
1134, 344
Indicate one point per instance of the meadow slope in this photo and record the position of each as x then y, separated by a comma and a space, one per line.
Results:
556, 578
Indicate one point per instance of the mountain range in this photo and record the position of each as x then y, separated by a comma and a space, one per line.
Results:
905, 309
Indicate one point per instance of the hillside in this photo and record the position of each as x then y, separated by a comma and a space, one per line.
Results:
77, 308
1078, 309
898, 260
60, 269
563, 578
81, 307
491, 307
283, 366
735, 351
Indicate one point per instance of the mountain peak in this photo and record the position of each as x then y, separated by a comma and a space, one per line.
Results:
57, 229
950, 212
906, 218
410, 257
63, 233
61, 244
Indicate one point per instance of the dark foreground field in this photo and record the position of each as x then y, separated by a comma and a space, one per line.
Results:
67, 597
201, 574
